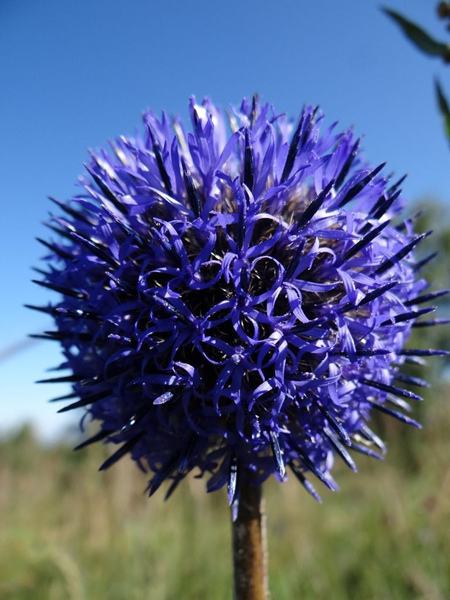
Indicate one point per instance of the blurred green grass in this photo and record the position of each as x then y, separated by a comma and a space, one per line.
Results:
69, 532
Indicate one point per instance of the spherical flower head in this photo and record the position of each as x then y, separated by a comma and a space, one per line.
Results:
236, 299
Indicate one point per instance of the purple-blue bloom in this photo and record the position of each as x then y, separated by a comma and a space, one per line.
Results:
236, 298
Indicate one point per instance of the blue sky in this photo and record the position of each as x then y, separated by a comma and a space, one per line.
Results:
75, 74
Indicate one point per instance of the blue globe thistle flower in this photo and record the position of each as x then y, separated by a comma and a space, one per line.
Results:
236, 299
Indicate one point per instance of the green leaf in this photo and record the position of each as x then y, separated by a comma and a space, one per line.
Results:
418, 36
443, 107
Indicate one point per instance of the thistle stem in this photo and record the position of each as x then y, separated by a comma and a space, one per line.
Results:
250, 545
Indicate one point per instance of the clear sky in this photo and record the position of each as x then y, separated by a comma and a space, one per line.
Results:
75, 74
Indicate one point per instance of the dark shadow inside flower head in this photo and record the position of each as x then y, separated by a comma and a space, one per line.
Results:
235, 299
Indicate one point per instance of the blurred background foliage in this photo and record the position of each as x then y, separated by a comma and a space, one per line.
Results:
430, 46
71, 533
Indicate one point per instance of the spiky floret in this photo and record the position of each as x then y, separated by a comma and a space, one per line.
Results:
236, 298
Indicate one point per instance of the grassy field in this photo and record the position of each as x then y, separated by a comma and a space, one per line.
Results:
69, 532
